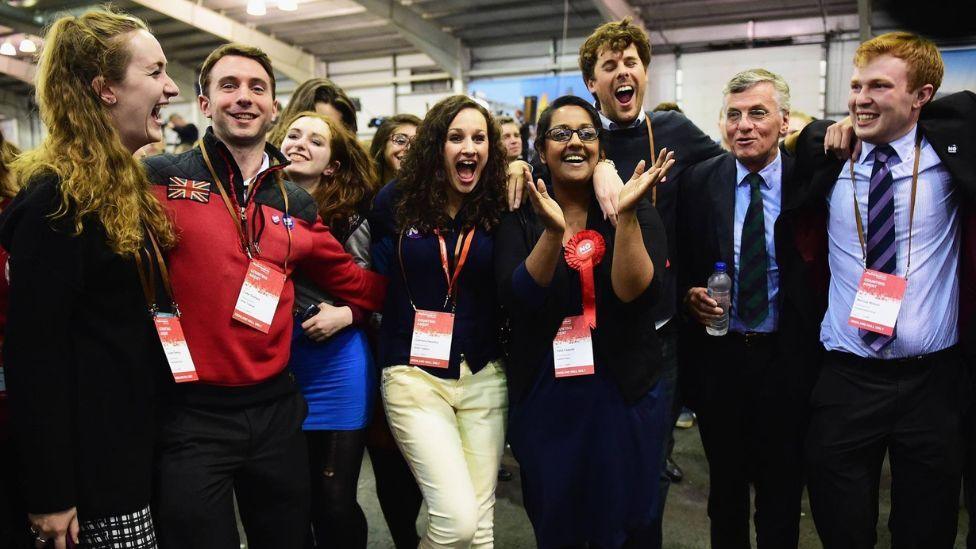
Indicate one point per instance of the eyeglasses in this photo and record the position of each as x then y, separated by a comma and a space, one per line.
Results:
401, 139
562, 134
756, 115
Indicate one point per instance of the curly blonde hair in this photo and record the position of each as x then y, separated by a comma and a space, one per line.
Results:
98, 175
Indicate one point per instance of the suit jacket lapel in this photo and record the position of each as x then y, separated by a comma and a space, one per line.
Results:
722, 193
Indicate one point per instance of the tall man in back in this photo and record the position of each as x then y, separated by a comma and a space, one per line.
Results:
893, 383
236, 432
614, 61
737, 208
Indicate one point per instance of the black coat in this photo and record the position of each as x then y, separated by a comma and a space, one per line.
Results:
706, 213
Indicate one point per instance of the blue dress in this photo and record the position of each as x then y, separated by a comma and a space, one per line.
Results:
337, 378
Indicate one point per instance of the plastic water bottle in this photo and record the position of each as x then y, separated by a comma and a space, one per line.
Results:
719, 289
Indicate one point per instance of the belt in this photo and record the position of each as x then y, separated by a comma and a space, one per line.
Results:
908, 361
752, 339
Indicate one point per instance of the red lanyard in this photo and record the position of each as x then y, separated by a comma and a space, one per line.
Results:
248, 243
461, 250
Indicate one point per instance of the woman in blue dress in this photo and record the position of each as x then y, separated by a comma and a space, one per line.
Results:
330, 356
586, 420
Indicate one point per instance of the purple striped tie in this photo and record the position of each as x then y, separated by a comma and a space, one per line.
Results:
881, 245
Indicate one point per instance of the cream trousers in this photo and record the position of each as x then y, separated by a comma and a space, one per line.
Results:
452, 433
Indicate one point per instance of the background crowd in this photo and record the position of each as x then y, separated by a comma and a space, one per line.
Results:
225, 330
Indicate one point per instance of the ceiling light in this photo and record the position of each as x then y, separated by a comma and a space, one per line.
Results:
256, 7
28, 46
287, 5
8, 49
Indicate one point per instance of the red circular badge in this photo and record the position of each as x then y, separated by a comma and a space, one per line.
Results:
583, 252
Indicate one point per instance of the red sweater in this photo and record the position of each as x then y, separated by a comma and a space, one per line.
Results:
208, 265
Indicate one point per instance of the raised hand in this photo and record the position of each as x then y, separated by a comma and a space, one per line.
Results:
546, 208
642, 181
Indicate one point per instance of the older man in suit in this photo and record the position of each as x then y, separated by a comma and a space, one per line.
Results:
894, 213
736, 208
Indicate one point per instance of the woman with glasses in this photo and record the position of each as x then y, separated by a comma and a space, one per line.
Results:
586, 423
391, 143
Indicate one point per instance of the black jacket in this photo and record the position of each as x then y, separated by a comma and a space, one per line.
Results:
624, 341
706, 213
83, 362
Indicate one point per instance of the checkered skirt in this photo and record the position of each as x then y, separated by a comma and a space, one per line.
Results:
131, 531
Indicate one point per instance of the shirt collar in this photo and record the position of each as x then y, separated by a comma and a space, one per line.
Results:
611, 125
769, 174
265, 164
904, 146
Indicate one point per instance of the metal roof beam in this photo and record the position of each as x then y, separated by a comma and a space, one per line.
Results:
615, 10
447, 51
291, 61
21, 70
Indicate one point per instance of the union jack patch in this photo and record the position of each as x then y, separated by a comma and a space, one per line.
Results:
188, 189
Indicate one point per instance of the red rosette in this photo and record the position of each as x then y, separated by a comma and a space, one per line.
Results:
583, 252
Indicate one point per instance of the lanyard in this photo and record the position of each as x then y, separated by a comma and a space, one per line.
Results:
461, 250
650, 138
249, 244
148, 281
911, 209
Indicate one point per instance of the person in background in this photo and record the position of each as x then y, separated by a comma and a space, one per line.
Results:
319, 95
390, 144
614, 61
186, 131
584, 438
82, 359
396, 489
511, 138
330, 356
443, 382
13, 513
768, 359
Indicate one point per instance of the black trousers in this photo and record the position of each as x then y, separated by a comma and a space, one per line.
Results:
913, 410
751, 430
14, 528
207, 456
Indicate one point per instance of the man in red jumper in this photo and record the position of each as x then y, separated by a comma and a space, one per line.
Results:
236, 431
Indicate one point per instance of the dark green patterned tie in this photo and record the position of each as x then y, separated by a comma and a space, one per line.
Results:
753, 297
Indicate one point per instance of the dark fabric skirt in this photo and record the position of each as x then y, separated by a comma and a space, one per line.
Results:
590, 463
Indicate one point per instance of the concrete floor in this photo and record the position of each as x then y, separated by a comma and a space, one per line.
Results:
685, 520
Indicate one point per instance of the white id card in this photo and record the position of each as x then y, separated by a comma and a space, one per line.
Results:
572, 348
877, 302
431, 342
258, 300
174, 346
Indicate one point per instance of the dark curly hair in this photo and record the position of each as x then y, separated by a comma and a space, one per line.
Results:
423, 182
378, 146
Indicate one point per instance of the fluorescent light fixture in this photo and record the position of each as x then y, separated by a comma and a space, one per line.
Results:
287, 5
256, 7
8, 49
28, 46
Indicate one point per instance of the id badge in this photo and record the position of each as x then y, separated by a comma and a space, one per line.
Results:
431, 342
3, 382
174, 346
877, 302
572, 348
258, 300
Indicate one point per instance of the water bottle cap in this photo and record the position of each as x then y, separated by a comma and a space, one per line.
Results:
720, 266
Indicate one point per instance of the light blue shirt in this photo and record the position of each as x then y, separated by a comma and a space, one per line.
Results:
929, 312
772, 192
611, 125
